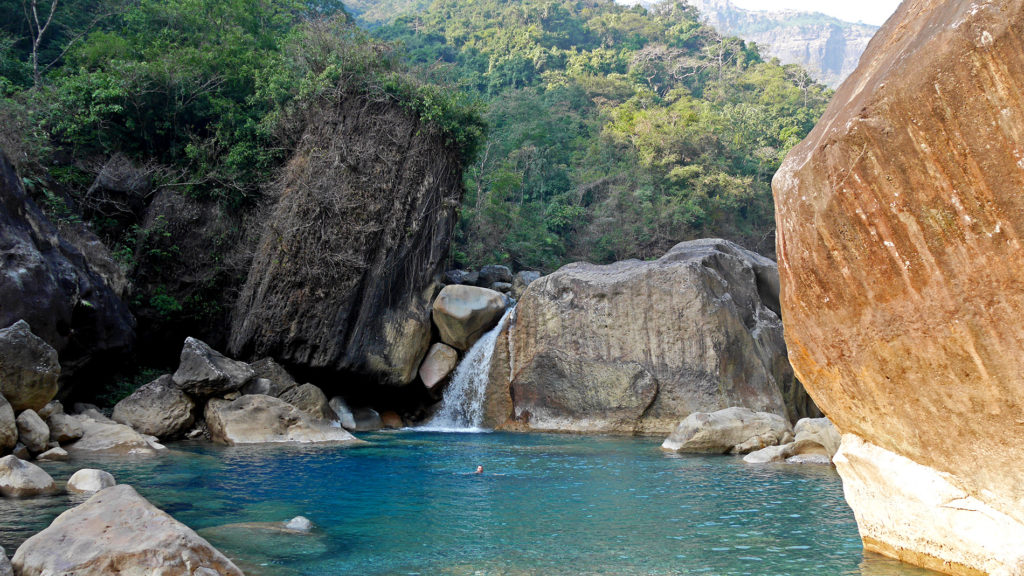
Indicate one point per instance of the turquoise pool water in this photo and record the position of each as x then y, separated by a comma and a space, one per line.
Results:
547, 505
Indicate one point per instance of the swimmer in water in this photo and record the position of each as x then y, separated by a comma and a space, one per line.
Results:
479, 470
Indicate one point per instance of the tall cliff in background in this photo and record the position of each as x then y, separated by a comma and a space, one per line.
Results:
827, 47
899, 222
346, 267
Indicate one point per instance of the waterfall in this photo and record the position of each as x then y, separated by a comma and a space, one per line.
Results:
462, 407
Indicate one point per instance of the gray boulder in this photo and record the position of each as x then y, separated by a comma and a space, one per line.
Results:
56, 454
440, 362
461, 277
493, 273
522, 280
636, 346
367, 420
49, 283
89, 480
19, 479
51, 408
8, 427
64, 428
109, 436
271, 379
157, 409
137, 539
32, 431
464, 313
733, 430
503, 287
203, 372
258, 419
28, 368
311, 400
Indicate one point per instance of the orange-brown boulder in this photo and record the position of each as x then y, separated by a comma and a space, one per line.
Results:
901, 280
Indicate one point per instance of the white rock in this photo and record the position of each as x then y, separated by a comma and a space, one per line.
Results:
299, 524
905, 508
769, 454
736, 430
19, 478
89, 480
53, 455
109, 436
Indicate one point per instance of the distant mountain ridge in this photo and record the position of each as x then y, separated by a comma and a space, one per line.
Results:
829, 48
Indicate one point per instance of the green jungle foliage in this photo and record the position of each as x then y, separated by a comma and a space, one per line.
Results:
616, 132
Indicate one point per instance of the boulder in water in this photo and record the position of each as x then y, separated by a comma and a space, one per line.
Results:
299, 524
258, 419
55, 454
367, 420
391, 419
89, 480
20, 479
203, 372
108, 436
311, 400
465, 313
734, 430
116, 531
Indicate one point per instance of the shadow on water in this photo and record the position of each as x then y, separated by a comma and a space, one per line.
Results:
408, 503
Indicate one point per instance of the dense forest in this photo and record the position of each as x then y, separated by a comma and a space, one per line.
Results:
611, 132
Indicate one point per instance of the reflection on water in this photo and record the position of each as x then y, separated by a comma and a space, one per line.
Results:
552, 505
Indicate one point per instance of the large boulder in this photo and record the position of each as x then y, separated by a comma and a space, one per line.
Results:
734, 430
29, 368
465, 313
90, 480
64, 428
271, 379
635, 347
157, 409
350, 257
898, 220
8, 427
110, 437
53, 286
440, 362
259, 419
32, 431
522, 281
203, 372
311, 400
20, 479
116, 531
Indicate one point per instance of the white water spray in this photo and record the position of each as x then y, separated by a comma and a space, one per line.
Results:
462, 407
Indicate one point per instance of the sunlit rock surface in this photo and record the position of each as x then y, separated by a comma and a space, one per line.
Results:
899, 255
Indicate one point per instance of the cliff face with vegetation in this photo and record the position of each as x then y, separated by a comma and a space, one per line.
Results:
347, 265
899, 221
826, 47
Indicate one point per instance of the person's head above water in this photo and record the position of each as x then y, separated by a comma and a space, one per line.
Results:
479, 469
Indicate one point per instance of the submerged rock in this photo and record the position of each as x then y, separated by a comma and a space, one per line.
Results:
258, 419
734, 430
28, 368
158, 409
634, 347
119, 532
898, 241
204, 372
89, 480
465, 313
19, 479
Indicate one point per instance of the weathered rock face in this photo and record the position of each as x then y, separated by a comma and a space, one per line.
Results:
64, 428
204, 372
257, 419
733, 430
465, 313
119, 532
50, 284
346, 270
637, 346
310, 400
158, 409
20, 479
28, 368
898, 236
271, 379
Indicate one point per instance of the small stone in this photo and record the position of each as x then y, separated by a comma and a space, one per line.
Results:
195, 434
503, 287
299, 524
32, 431
89, 480
21, 479
57, 454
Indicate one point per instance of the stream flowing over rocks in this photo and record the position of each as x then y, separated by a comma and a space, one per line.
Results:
635, 347
899, 222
